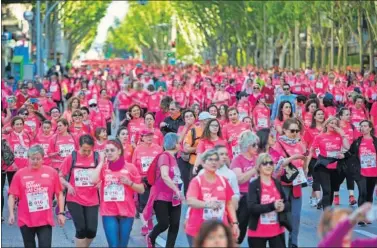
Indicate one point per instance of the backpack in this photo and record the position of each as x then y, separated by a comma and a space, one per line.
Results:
152, 170
6, 153
73, 165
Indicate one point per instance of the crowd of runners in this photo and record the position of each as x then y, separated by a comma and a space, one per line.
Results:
237, 145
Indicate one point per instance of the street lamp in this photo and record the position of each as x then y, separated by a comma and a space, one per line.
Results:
28, 16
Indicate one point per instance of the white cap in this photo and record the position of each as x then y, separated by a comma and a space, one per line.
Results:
205, 115
92, 101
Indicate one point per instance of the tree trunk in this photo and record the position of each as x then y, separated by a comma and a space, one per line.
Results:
371, 46
345, 56
291, 50
316, 57
339, 56
297, 46
360, 31
283, 53
308, 50
323, 57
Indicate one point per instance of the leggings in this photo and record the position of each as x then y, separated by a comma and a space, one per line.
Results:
273, 242
143, 199
349, 179
242, 217
44, 234
367, 185
316, 185
4, 175
167, 217
85, 220
186, 173
117, 230
329, 180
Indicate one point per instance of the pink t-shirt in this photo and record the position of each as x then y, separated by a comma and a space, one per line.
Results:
261, 117
268, 223
329, 145
367, 155
135, 126
144, 155
164, 192
205, 144
201, 189
117, 198
44, 141
19, 149
86, 192
245, 165
65, 145
124, 100
106, 108
34, 189
234, 130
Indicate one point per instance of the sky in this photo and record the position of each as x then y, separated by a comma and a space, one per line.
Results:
116, 9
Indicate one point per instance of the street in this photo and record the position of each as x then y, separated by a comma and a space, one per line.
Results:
64, 236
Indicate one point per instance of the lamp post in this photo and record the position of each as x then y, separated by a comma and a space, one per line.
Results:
28, 16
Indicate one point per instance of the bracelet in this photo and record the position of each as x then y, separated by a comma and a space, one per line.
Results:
61, 213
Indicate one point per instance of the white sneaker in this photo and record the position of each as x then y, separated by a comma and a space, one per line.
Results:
313, 202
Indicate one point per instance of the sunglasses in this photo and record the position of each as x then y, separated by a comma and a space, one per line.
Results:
222, 86
55, 112
256, 88
172, 109
294, 130
267, 163
93, 105
285, 88
26, 113
76, 115
215, 125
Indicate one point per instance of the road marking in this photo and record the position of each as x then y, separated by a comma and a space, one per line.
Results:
365, 233
161, 242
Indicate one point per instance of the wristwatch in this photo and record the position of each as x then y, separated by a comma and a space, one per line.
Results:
61, 213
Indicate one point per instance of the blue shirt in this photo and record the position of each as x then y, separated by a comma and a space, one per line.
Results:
291, 98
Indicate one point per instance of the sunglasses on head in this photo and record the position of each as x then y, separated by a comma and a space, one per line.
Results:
265, 163
294, 130
93, 105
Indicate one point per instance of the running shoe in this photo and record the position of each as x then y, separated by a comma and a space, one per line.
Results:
149, 241
362, 223
352, 200
336, 200
319, 204
68, 215
313, 201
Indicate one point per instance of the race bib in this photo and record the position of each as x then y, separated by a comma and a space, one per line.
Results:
53, 88
262, 122
177, 176
332, 154
145, 163
114, 193
209, 214
356, 125
66, 149
31, 123
300, 179
20, 151
269, 218
368, 160
236, 150
37, 202
297, 89
82, 178
45, 148
374, 97
338, 98
319, 85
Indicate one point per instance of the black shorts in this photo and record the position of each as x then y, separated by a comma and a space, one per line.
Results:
85, 220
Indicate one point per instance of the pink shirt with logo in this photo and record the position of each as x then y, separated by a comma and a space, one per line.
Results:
329, 145
86, 191
367, 156
201, 189
35, 188
144, 155
117, 199
245, 165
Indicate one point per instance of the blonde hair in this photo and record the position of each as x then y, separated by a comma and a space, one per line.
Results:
328, 216
262, 158
330, 119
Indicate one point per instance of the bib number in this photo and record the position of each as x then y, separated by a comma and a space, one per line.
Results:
236, 150
209, 214
53, 88
82, 178
20, 151
262, 122
145, 163
269, 218
333, 154
319, 85
65, 150
37, 202
300, 179
114, 193
368, 161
